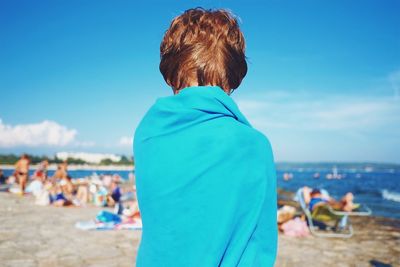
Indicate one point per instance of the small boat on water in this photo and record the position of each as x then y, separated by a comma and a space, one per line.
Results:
334, 175
287, 176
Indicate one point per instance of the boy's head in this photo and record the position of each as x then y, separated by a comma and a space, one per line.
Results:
203, 47
315, 193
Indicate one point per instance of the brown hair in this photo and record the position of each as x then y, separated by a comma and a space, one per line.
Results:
203, 45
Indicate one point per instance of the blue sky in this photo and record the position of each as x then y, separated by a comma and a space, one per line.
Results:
323, 80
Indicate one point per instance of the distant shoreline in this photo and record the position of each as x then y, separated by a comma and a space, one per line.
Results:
280, 166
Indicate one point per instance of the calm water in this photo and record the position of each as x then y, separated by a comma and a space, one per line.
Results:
380, 190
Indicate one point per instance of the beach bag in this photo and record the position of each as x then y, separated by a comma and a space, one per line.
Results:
295, 227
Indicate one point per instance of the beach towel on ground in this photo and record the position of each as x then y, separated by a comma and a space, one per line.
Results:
296, 228
106, 220
206, 184
97, 225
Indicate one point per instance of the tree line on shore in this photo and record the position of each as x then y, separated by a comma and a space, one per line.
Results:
35, 159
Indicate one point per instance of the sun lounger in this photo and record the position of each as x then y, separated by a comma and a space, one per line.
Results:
361, 210
324, 221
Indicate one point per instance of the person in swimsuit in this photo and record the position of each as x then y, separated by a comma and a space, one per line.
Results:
316, 198
115, 192
60, 173
22, 171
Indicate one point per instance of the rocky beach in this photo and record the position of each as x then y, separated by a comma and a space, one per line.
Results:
32, 235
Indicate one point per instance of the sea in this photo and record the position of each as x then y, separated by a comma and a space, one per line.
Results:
377, 187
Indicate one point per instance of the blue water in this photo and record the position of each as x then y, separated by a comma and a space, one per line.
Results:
380, 190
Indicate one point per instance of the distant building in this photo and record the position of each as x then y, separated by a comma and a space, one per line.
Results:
88, 157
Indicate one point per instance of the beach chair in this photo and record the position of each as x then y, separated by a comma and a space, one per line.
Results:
333, 223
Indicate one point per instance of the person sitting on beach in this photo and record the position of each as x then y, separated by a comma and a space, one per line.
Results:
60, 173
116, 192
67, 187
114, 197
76, 195
3, 178
41, 171
22, 172
57, 197
82, 194
63, 193
317, 199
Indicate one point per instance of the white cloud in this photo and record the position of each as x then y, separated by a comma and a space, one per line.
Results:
125, 141
326, 126
47, 133
326, 112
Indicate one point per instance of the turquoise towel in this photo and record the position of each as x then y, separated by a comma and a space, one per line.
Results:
206, 184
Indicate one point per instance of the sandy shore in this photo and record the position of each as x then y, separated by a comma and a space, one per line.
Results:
45, 236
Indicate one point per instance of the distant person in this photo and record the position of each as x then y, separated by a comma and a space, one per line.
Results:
57, 196
114, 196
62, 192
41, 171
60, 173
22, 172
64, 166
67, 187
317, 198
206, 182
115, 193
131, 178
3, 178
82, 194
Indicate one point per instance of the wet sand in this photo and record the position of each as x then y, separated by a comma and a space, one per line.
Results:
31, 235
